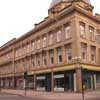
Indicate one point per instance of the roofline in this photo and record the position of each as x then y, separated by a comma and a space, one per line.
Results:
47, 21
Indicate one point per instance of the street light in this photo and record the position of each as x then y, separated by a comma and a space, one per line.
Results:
77, 60
25, 78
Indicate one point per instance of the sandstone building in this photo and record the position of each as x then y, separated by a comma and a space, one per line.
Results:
60, 54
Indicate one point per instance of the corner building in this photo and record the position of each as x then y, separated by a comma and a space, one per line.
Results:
61, 53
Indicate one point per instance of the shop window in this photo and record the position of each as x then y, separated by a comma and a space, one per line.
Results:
93, 53
68, 52
59, 82
51, 56
59, 51
41, 83
67, 32
44, 41
38, 44
84, 51
51, 39
91, 31
82, 30
59, 36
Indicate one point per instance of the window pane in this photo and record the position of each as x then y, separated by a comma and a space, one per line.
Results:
59, 51
68, 52
51, 56
59, 36
44, 41
93, 53
51, 39
84, 51
82, 30
38, 44
67, 32
91, 30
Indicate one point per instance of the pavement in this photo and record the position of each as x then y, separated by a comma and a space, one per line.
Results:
33, 95
5, 96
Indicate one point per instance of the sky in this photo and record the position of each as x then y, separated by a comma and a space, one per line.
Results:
17, 17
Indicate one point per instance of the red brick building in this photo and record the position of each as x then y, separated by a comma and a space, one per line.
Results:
60, 54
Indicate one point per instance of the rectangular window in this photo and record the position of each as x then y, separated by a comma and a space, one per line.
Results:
44, 41
59, 53
33, 46
82, 30
68, 52
38, 44
38, 59
44, 58
28, 47
91, 31
24, 49
84, 51
51, 39
67, 32
98, 36
59, 36
93, 53
33, 61
51, 56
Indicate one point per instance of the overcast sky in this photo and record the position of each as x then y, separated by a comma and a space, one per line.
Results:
19, 16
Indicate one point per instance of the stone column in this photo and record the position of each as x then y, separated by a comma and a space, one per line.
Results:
52, 81
78, 80
48, 58
55, 56
34, 82
64, 54
94, 77
74, 75
41, 60
88, 53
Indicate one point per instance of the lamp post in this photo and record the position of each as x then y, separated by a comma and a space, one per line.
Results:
77, 60
25, 78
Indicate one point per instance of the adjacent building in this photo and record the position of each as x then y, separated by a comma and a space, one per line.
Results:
62, 53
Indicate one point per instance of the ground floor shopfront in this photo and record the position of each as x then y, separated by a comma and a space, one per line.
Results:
58, 81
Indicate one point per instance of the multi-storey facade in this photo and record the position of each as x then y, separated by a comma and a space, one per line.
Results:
60, 54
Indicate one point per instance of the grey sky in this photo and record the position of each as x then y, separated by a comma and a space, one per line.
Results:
19, 16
